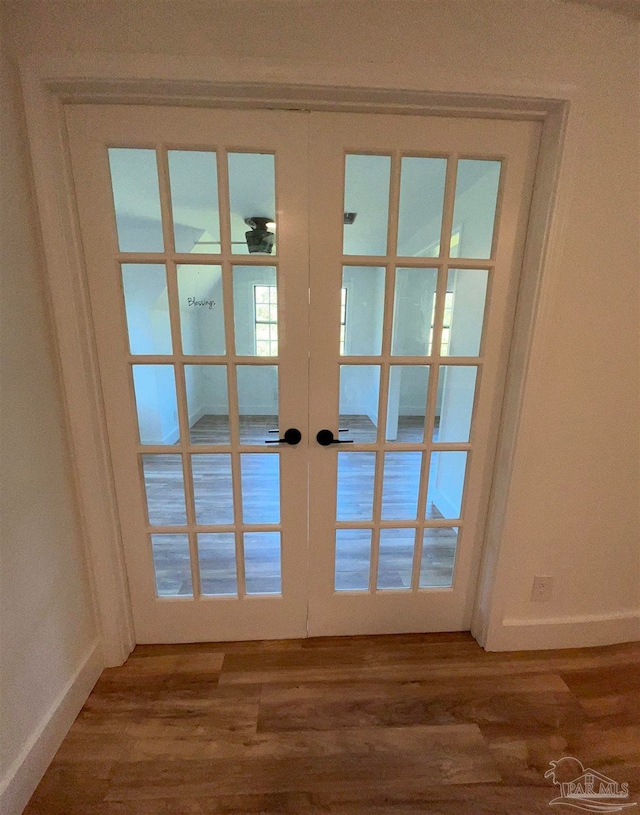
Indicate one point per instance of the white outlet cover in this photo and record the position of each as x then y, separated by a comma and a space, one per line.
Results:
542, 588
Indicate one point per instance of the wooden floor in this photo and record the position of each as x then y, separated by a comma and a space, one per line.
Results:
214, 429
356, 726
213, 494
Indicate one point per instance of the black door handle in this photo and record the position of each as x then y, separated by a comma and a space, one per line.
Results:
291, 436
326, 437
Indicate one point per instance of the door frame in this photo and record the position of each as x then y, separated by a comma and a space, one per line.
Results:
50, 83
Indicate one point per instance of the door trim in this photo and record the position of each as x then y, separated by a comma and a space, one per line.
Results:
49, 83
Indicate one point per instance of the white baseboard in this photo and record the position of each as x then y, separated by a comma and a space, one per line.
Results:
26, 772
584, 631
171, 437
213, 410
357, 410
206, 410
443, 504
255, 409
196, 415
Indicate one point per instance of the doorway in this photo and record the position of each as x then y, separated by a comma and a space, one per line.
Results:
302, 322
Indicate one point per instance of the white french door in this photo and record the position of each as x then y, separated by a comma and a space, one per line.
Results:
262, 285
416, 232
203, 350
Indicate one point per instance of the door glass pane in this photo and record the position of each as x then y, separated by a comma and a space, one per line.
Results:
257, 402
164, 484
413, 312
407, 402
155, 391
343, 321
147, 308
255, 308
438, 557
366, 195
447, 316
359, 390
400, 485
454, 405
356, 473
421, 199
172, 565
136, 198
260, 488
474, 211
217, 558
212, 488
252, 197
207, 403
446, 483
201, 309
395, 558
353, 557
262, 563
468, 290
364, 292
193, 176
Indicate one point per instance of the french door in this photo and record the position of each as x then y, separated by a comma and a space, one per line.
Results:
302, 323
424, 278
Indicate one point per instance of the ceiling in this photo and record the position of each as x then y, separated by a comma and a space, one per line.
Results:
193, 181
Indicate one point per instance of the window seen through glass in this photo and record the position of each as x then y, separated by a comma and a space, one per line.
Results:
266, 320
446, 323
343, 320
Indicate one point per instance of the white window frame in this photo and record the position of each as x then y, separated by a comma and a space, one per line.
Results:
256, 322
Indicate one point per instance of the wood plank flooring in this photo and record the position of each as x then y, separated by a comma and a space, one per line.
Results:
348, 726
261, 504
214, 429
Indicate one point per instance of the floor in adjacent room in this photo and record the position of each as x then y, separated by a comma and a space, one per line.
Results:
398, 725
165, 496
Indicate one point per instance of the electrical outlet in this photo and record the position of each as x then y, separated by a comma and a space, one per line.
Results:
542, 589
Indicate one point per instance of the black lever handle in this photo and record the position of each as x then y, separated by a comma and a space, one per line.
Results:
291, 436
326, 437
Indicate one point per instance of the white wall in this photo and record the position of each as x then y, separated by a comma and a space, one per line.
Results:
47, 630
359, 385
202, 327
573, 508
257, 386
